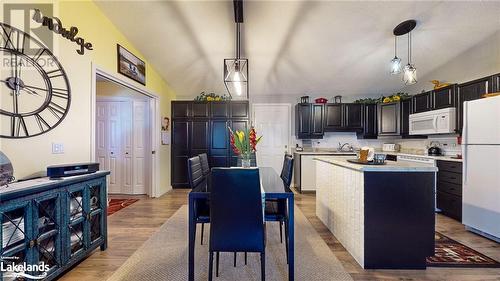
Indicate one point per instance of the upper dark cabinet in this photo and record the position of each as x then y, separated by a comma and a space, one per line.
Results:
303, 115
181, 109
353, 115
388, 115
219, 109
422, 102
239, 109
369, 115
468, 91
495, 83
200, 109
317, 120
405, 111
333, 117
309, 120
444, 97
341, 117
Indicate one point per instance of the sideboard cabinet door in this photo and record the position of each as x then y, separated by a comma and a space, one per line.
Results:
47, 228
16, 232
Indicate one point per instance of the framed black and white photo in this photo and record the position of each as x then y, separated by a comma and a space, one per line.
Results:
130, 65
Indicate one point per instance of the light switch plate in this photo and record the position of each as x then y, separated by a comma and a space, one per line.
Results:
57, 148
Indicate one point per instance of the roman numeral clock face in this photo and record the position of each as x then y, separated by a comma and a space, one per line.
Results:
34, 89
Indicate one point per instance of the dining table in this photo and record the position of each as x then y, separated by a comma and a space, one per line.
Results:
272, 187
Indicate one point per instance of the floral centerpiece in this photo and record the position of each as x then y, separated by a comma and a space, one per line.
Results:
244, 144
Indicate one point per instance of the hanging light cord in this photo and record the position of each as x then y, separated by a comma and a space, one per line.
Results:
409, 47
238, 41
395, 47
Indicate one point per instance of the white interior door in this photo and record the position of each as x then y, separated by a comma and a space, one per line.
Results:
123, 144
109, 152
127, 147
141, 136
272, 121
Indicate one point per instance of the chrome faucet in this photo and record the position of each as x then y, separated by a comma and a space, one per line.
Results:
341, 147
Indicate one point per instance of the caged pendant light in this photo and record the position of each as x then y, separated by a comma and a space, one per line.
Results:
236, 69
395, 62
409, 70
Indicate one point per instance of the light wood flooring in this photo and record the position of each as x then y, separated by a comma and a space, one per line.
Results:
129, 228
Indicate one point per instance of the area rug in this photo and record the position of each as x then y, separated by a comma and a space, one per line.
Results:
450, 253
116, 205
164, 256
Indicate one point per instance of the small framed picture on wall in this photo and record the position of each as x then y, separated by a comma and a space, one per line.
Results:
130, 65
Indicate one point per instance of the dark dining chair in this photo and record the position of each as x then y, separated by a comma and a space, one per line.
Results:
237, 223
205, 168
276, 209
201, 206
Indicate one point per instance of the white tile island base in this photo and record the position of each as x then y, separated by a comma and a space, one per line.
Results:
382, 215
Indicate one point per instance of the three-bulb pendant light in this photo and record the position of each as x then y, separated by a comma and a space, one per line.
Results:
409, 70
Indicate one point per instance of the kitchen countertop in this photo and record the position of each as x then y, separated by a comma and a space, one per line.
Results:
390, 166
325, 152
443, 158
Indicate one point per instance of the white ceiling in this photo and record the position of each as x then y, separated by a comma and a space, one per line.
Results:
297, 47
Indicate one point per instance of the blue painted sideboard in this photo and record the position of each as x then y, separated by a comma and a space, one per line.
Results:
57, 222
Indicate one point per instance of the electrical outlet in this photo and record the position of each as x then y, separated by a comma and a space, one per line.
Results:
57, 148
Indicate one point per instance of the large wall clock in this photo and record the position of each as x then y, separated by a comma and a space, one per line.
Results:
35, 93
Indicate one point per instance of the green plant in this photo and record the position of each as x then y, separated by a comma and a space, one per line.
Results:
211, 97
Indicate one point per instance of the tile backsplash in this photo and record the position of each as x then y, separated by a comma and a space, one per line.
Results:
448, 143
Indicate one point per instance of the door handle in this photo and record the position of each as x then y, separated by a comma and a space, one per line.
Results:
112, 153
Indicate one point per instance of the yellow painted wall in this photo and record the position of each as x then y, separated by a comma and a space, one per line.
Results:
34, 154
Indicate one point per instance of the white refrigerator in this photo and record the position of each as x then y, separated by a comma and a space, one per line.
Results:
481, 167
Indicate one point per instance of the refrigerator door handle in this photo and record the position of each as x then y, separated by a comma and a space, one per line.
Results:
464, 166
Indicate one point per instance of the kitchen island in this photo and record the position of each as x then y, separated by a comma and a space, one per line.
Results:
383, 215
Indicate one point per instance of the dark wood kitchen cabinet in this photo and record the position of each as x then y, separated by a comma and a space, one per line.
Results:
309, 121
405, 111
353, 116
468, 91
342, 117
317, 120
449, 189
369, 115
422, 102
495, 83
201, 127
388, 118
444, 97
333, 117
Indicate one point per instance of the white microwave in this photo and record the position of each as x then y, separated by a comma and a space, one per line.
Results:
441, 121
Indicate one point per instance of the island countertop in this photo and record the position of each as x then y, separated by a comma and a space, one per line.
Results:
389, 166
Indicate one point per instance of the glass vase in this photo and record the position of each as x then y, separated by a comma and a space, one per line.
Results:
245, 162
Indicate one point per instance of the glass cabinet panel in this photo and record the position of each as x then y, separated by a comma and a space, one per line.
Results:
48, 232
76, 210
14, 235
76, 238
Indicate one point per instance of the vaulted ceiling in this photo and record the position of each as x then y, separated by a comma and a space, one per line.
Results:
297, 47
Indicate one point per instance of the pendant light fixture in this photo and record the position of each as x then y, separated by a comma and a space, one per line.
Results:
236, 69
395, 62
409, 71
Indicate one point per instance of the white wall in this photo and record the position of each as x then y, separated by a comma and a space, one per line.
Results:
481, 60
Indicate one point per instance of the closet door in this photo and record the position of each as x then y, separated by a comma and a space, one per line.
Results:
127, 135
108, 144
140, 147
